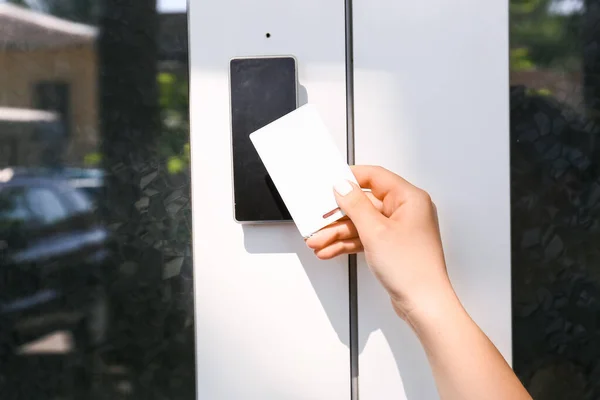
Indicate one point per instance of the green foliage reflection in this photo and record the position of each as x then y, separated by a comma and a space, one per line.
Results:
174, 144
544, 33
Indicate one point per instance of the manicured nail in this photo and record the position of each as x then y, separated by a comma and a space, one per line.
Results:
343, 187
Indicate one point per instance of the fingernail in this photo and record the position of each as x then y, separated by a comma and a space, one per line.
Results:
343, 187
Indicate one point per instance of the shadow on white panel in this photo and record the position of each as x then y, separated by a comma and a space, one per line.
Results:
324, 276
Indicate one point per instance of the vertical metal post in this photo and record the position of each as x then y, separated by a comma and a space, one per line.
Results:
352, 260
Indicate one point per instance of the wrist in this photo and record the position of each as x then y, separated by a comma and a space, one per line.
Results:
430, 310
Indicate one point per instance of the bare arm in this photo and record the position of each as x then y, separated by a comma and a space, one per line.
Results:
397, 228
465, 363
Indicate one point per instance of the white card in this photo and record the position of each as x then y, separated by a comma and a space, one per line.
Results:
304, 163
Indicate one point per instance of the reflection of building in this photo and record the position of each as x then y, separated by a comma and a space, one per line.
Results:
29, 136
49, 63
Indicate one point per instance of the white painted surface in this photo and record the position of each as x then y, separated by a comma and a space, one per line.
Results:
271, 320
432, 105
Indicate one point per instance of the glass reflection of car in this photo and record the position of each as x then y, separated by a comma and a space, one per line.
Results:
54, 261
87, 180
90, 181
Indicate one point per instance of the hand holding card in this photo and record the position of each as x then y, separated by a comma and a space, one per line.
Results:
304, 164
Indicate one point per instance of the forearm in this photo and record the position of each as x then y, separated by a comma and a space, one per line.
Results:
465, 363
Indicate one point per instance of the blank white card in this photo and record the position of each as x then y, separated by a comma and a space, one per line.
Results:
304, 163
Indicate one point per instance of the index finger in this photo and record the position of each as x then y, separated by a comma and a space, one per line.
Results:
382, 182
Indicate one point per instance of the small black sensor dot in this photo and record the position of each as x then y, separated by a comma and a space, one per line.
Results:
268, 35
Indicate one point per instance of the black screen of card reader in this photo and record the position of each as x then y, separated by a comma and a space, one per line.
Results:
262, 91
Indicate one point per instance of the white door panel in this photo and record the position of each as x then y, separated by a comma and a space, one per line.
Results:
271, 320
431, 99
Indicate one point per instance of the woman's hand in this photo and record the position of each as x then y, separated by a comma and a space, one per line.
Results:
396, 226
398, 229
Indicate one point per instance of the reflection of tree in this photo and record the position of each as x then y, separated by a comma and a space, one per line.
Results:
130, 127
556, 201
147, 207
175, 136
591, 57
541, 36
546, 49
555, 231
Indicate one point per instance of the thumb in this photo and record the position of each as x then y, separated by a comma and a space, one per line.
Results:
357, 206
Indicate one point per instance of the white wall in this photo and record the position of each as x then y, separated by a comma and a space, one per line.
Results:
271, 320
432, 105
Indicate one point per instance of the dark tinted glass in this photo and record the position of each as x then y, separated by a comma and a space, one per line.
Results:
96, 295
555, 116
